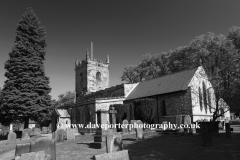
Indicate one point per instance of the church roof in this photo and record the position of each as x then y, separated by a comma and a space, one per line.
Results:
62, 112
166, 84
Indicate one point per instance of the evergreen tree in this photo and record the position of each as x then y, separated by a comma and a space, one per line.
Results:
26, 90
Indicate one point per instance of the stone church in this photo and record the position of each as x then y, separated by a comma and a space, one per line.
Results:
175, 94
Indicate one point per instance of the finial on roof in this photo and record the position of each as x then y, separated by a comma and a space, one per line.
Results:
76, 61
87, 55
91, 51
107, 61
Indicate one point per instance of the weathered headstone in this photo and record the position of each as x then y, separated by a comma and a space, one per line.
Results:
12, 137
114, 143
50, 128
112, 116
44, 130
22, 148
31, 133
178, 120
1, 132
132, 126
36, 131
187, 121
70, 134
125, 126
45, 144
139, 130
76, 131
25, 134
59, 135
89, 130
120, 155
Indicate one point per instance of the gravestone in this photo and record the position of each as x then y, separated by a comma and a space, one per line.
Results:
206, 133
89, 130
139, 130
25, 134
22, 148
50, 128
120, 155
228, 130
59, 135
112, 115
114, 143
70, 134
178, 120
36, 131
45, 144
132, 126
12, 138
1, 132
187, 121
125, 126
76, 131
44, 130
31, 133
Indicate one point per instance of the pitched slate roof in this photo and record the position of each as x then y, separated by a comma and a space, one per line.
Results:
62, 112
165, 84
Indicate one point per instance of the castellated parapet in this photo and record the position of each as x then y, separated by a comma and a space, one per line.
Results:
91, 75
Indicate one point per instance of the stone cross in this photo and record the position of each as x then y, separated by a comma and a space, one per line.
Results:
112, 114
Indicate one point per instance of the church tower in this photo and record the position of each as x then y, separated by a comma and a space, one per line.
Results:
90, 75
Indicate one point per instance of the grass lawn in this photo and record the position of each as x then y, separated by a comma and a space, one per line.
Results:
156, 146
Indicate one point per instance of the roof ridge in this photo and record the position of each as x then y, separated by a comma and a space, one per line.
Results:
195, 68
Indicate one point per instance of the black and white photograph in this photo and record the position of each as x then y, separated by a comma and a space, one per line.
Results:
119, 80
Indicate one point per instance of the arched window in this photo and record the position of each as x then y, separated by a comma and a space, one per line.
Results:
98, 76
164, 113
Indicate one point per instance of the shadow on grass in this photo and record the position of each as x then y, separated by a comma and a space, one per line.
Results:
170, 146
129, 139
88, 144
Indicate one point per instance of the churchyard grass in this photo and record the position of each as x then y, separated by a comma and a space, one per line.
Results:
155, 146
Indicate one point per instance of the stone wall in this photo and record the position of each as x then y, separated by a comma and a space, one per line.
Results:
95, 84
81, 79
176, 103
86, 80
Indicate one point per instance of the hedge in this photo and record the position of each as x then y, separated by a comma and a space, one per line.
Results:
142, 109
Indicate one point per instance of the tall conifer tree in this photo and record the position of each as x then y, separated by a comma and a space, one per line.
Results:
26, 90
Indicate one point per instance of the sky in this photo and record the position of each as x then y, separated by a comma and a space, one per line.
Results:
123, 29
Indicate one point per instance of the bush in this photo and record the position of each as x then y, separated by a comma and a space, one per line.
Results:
144, 109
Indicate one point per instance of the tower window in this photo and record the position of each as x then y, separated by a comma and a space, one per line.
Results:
98, 76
